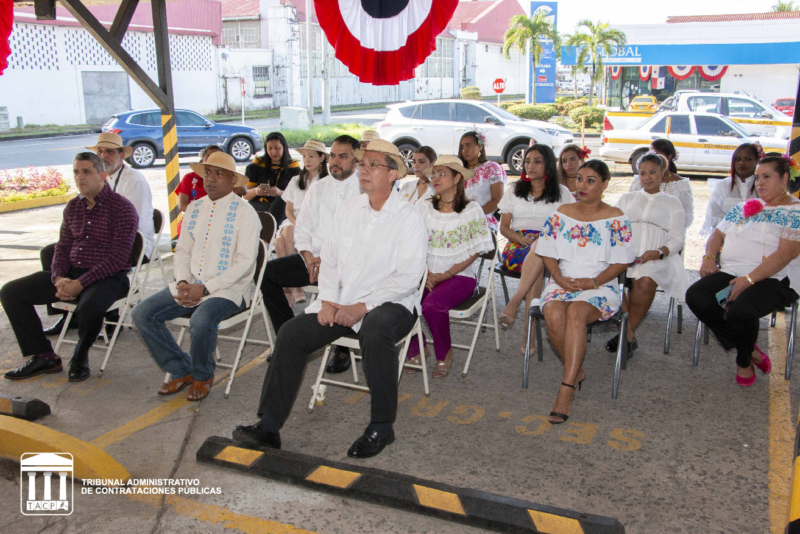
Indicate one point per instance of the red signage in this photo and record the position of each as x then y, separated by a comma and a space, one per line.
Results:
541, 79
243, 91
499, 85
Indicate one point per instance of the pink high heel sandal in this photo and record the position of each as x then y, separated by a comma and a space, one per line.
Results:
766, 365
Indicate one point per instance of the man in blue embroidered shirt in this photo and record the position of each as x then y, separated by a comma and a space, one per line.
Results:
215, 261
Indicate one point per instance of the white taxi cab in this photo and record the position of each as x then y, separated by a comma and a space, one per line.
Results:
705, 141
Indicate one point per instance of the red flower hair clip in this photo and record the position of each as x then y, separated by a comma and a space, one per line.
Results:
584, 152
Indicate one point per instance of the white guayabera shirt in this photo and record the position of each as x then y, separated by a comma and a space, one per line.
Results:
373, 257
320, 204
132, 185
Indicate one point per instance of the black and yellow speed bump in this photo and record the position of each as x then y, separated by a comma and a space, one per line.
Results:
467, 506
23, 407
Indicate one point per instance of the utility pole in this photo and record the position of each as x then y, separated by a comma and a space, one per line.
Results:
326, 87
309, 64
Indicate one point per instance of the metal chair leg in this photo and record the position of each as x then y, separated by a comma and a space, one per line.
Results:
669, 325
698, 336
680, 318
505, 288
539, 340
621, 358
526, 361
773, 318
589, 335
790, 347
706, 334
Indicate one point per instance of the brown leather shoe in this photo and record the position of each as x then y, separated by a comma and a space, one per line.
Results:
199, 390
175, 385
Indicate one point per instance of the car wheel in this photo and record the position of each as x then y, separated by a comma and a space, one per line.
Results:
635, 157
407, 152
514, 159
144, 155
240, 149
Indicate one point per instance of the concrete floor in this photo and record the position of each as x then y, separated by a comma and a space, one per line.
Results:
682, 449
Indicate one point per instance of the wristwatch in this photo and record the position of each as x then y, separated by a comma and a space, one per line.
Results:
661, 255
205, 291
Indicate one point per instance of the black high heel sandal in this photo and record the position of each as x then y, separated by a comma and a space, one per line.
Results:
561, 415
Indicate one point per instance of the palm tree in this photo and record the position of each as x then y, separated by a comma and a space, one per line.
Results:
527, 31
576, 69
593, 44
784, 6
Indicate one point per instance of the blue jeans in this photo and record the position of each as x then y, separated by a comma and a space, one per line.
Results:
150, 317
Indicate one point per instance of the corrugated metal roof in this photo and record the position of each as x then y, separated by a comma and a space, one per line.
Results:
191, 17
773, 15
232, 9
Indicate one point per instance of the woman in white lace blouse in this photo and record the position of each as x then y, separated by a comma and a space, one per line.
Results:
457, 234
740, 186
758, 243
671, 184
418, 189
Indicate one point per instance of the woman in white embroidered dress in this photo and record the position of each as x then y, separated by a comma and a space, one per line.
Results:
759, 262
487, 185
658, 235
740, 186
671, 184
525, 207
457, 234
585, 246
417, 190
314, 169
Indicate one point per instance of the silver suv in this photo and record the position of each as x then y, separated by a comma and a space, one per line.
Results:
441, 123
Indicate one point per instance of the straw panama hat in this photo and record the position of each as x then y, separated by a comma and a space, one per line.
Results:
221, 160
385, 147
313, 144
111, 140
451, 162
369, 135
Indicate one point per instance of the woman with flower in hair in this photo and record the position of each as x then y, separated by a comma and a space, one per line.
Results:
672, 183
584, 246
739, 187
657, 220
525, 207
569, 161
758, 243
486, 187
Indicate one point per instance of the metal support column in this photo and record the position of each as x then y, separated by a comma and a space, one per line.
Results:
794, 142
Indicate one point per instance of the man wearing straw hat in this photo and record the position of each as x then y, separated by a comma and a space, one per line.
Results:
320, 205
371, 267
367, 136
215, 260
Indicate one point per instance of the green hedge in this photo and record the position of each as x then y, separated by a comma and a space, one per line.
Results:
508, 103
594, 116
539, 112
326, 134
471, 93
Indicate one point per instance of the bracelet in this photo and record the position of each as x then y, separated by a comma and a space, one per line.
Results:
709, 257
595, 283
448, 272
747, 276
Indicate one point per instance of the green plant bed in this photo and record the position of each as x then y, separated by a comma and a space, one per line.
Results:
593, 116
17, 196
540, 112
324, 133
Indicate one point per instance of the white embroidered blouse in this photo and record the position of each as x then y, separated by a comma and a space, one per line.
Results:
454, 237
479, 187
680, 189
527, 214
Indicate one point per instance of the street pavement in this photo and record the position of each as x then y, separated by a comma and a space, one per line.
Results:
60, 150
683, 449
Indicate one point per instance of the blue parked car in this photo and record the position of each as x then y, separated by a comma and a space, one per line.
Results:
141, 129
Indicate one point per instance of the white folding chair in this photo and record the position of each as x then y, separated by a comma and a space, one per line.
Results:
477, 304
245, 316
158, 224
351, 342
125, 304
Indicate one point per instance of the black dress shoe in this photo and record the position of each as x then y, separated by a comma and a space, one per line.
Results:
255, 435
78, 369
369, 444
109, 332
36, 365
56, 328
340, 361
632, 346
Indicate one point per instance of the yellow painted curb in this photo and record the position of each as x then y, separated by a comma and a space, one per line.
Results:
35, 203
18, 437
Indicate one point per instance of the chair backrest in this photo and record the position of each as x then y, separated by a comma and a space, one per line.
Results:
137, 250
158, 220
268, 226
261, 259
490, 256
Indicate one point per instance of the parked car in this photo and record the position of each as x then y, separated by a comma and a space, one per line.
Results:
742, 109
441, 123
643, 103
141, 129
705, 141
785, 106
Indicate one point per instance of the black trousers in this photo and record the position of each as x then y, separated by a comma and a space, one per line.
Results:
46, 257
288, 271
21, 295
740, 329
381, 329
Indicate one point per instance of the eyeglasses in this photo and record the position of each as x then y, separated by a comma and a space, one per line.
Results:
371, 165
440, 174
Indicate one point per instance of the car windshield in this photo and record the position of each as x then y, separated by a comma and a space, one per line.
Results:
785, 102
500, 112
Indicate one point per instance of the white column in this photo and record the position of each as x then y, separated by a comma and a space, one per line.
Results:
47, 496
31, 485
62, 490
